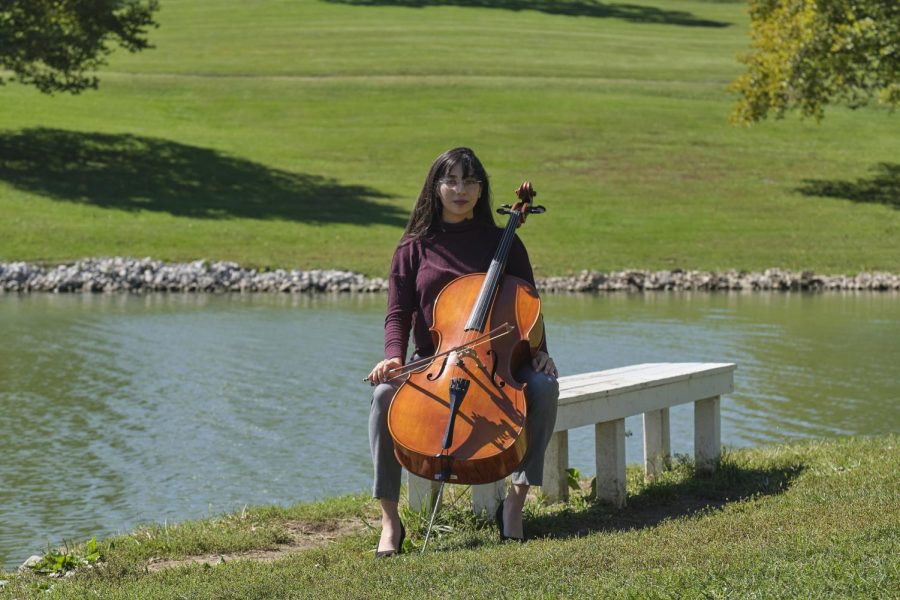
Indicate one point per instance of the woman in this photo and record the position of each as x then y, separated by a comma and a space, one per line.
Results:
451, 232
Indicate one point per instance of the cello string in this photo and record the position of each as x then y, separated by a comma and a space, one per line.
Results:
502, 253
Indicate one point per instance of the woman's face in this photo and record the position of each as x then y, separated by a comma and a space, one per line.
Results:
458, 195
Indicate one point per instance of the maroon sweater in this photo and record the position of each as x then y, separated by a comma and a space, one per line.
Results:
422, 267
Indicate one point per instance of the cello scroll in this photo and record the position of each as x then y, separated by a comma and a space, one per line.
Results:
526, 194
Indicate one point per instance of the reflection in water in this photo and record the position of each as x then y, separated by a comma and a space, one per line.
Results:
120, 409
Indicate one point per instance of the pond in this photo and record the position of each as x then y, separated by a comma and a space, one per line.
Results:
119, 410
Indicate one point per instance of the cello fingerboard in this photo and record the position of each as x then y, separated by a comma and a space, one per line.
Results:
482, 308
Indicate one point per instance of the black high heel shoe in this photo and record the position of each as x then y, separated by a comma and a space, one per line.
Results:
498, 518
399, 550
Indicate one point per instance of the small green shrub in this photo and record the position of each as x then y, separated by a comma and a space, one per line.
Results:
60, 561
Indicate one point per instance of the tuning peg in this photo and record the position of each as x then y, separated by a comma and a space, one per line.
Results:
536, 210
504, 209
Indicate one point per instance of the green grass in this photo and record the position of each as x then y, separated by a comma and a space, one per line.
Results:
297, 134
818, 518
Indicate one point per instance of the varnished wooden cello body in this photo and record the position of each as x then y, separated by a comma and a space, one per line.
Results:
461, 418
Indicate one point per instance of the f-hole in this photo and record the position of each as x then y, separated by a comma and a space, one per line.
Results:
433, 376
493, 356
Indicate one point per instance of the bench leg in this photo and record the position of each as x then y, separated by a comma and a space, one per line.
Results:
610, 451
707, 443
486, 498
422, 493
657, 447
556, 461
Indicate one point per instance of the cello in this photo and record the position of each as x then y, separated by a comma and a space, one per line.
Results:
460, 415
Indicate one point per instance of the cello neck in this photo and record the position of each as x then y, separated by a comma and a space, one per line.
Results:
482, 307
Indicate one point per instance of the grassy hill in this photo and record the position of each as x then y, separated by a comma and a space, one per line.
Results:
298, 133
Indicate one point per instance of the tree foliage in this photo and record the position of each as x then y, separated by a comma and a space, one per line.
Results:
807, 54
55, 45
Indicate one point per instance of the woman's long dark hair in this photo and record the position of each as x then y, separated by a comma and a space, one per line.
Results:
426, 215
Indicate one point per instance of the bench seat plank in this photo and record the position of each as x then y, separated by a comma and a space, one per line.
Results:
653, 387
637, 376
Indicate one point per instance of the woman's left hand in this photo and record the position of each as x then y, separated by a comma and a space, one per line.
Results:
542, 363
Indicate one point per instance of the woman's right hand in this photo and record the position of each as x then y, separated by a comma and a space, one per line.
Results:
380, 372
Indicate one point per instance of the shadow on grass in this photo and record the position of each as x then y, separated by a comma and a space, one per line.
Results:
571, 8
882, 188
661, 501
129, 172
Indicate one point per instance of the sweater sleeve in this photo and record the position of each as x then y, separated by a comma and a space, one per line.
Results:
401, 302
519, 265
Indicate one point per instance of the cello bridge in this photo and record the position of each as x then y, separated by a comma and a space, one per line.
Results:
470, 353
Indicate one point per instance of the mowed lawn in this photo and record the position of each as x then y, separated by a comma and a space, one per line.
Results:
298, 133
817, 519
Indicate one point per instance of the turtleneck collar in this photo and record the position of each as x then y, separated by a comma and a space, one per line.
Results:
461, 226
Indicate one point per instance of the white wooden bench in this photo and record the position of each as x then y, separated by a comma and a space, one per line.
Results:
604, 399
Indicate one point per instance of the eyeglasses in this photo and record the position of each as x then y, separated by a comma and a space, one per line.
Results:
453, 182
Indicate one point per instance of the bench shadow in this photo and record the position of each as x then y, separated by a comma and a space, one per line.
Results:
883, 187
571, 8
659, 502
131, 172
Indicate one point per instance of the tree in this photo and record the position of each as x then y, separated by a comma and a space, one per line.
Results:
56, 44
810, 53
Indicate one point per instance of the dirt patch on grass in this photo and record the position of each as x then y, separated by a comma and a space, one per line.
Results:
304, 535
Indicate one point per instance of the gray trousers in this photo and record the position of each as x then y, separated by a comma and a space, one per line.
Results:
541, 397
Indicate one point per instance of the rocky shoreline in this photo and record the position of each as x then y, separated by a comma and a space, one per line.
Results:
120, 274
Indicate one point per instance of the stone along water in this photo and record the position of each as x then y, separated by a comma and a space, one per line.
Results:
117, 410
